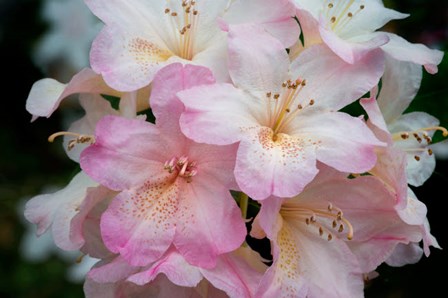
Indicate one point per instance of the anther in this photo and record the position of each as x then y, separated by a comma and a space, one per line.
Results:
430, 152
268, 94
330, 5
334, 224
329, 237
311, 102
321, 231
174, 14
405, 136
350, 15
167, 10
417, 158
341, 228
276, 96
333, 19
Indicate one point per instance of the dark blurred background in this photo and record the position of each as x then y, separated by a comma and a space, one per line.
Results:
30, 165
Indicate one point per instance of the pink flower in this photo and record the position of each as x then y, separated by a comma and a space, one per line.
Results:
349, 27
328, 236
283, 115
172, 190
411, 132
140, 37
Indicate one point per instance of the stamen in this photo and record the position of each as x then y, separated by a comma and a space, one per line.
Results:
182, 166
80, 139
312, 216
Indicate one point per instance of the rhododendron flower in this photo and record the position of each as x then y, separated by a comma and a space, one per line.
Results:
283, 116
410, 132
349, 27
170, 187
323, 242
140, 37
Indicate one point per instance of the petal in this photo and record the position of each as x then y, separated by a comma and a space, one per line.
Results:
420, 163
96, 107
170, 80
400, 49
328, 131
284, 277
215, 163
222, 107
201, 233
404, 254
274, 16
355, 49
95, 197
400, 84
174, 266
257, 61
234, 275
127, 62
58, 209
214, 56
370, 105
415, 211
265, 167
46, 94
111, 270
140, 224
135, 147
391, 170
327, 76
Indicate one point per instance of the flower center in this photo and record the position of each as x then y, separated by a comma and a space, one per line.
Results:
182, 166
339, 13
282, 107
326, 221
184, 25
421, 136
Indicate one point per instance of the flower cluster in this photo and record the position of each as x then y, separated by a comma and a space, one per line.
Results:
248, 99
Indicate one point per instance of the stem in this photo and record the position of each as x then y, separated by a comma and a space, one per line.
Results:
244, 202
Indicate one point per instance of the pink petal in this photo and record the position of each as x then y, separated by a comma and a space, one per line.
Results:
96, 107
112, 270
94, 198
326, 74
209, 105
234, 275
202, 234
274, 16
400, 84
257, 61
281, 168
400, 49
370, 105
58, 209
174, 266
170, 80
46, 94
127, 152
346, 152
127, 62
140, 224
351, 52
404, 254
